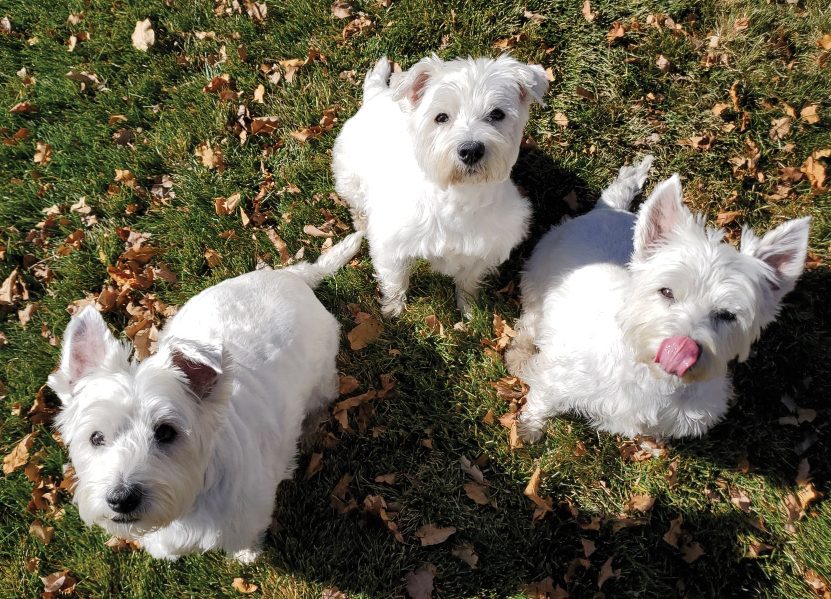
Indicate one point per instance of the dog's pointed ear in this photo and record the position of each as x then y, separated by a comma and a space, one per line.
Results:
662, 212
200, 363
87, 344
413, 83
783, 249
532, 80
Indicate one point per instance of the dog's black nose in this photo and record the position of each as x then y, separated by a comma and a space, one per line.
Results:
471, 152
124, 499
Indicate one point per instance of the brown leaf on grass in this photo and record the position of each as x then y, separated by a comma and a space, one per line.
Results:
341, 409
217, 83
264, 125
333, 593
224, 206
698, 142
347, 384
387, 479
430, 534
672, 472
725, 218
43, 153
375, 505
543, 505
587, 11
691, 552
674, 533
810, 114
365, 333
243, 586
719, 108
315, 465
116, 544
477, 492
663, 64
58, 582
825, 42
467, 554
259, 94
341, 9
434, 324
13, 289
211, 157
803, 472
741, 24
815, 168
817, 583
780, 128
734, 96
740, 499
808, 494
561, 120
143, 35
588, 547
420, 582
212, 257
338, 498
279, 245
327, 122
584, 93
616, 32
357, 26
606, 572
640, 503
21, 108
44, 533
472, 470
757, 549
18, 456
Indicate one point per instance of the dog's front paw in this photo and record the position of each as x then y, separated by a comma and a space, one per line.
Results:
465, 303
529, 430
392, 308
247, 556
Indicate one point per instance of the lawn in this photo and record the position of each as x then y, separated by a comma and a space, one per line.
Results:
107, 147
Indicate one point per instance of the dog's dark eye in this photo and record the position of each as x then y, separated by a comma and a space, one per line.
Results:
97, 439
164, 434
725, 316
495, 115
441, 117
667, 293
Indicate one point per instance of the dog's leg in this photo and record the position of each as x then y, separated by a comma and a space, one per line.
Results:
523, 346
468, 281
393, 276
535, 413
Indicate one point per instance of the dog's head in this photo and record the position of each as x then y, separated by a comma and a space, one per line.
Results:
696, 303
140, 435
467, 115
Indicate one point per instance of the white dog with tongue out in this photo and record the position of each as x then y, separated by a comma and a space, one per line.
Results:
632, 320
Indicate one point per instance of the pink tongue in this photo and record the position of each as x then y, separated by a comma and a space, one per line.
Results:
677, 355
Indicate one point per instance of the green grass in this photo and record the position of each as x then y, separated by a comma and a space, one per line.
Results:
443, 383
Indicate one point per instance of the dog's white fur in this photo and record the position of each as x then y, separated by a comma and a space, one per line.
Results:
402, 174
594, 320
237, 370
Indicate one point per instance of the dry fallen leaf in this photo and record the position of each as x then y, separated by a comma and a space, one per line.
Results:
420, 583
243, 586
663, 64
606, 572
61, 581
18, 456
810, 114
815, 168
640, 503
44, 533
315, 465
211, 157
430, 534
212, 257
43, 153
467, 554
356, 26
616, 32
143, 35
674, 533
780, 128
341, 9
561, 120
532, 492
477, 492
363, 334
587, 11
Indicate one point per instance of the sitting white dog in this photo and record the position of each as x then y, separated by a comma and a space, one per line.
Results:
183, 451
425, 166
636, 334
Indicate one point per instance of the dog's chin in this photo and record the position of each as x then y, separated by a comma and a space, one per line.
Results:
130, 526
478, 174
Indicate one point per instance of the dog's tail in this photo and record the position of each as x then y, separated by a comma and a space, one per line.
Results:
626, 186
377, 80
330, 262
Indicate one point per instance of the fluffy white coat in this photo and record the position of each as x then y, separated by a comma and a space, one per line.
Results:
631, 321
399, 163
237, 370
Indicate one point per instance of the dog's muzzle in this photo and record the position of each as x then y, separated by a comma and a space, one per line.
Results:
124, 499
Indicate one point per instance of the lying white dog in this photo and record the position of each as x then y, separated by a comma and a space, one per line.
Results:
425, 166
631, 321
183, 451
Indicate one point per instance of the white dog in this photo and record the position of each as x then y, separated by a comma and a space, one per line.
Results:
183, 451
425, 166
636, 333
